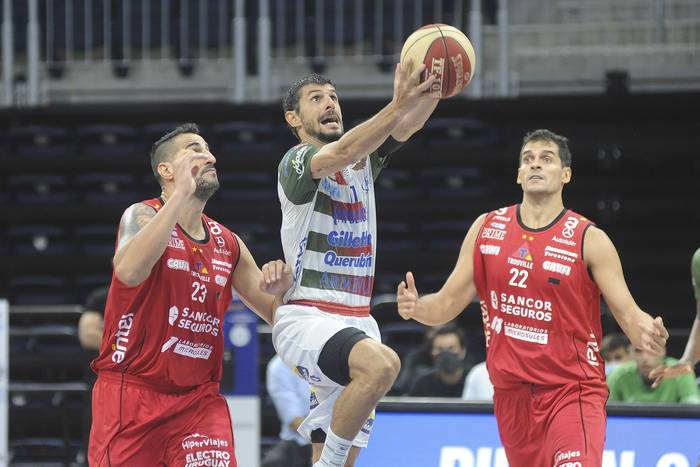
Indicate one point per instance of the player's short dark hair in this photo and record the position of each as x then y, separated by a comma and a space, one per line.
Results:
160, 149
97, 300
291, 99
612, 342
562, 143
450, 328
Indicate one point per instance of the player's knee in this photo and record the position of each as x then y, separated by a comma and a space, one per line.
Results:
384, 366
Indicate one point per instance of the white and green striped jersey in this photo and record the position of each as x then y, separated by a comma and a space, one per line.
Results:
329, 231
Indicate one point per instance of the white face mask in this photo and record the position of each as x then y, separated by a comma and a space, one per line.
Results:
610, 367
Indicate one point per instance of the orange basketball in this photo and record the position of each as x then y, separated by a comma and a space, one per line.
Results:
447, 54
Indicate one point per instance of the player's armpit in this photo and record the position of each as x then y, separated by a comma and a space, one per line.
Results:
246, 280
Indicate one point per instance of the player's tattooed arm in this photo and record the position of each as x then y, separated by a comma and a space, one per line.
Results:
143, 238
134, 219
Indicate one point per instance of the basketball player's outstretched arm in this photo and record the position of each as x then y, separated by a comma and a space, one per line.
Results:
144, 234
601, 257
454, 296
262, 290
414, 119
366, 138
691, 355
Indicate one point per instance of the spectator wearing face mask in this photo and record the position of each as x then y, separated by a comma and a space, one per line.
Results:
615, 351
450, 364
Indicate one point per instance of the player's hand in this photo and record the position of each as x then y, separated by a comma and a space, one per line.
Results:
186, 168
407, 297
408, 90
648, 334
276, 277
658, 374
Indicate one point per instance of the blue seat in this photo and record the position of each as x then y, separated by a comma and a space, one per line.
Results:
87, 283
262, 241
403, 336
247, 186
40, 290
456, 183
386, 282
41, 141
97, 240
454, 135
39, 239
444, 235
110, 140
39, 188
397, 184
101, 188
152, 132
242, 139
396, 237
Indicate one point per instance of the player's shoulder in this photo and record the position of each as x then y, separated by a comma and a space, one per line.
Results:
696, 259
298, 152
148, 207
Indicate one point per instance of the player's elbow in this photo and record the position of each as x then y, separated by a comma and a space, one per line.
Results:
128, 275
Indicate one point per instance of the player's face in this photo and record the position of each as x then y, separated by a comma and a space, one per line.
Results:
540, 170
319, 111
206, 177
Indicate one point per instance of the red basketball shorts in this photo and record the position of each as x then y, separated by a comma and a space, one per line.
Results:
136, 426
556, 426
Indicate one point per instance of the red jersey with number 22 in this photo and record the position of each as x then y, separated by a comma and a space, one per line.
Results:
167, 330
540, 307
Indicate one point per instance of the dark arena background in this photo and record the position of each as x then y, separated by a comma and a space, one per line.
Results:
89, 85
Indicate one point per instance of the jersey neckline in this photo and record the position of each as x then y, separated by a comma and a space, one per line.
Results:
204, 241
540, 229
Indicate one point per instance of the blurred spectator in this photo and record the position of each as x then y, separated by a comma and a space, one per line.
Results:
477, 385
417, 363
291, 396
615, 349
90, 335
92, 320
632, 382
448, 351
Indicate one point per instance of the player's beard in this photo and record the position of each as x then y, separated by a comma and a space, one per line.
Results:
320, 135
206, 187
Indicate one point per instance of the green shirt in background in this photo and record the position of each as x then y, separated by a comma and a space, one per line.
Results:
695, 271
626, 385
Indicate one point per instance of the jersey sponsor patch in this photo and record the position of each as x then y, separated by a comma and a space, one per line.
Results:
193, 349
560, 254
563, 269
564, 241
494, 250
521, 257
525, 333
493, 234
176, 243
220, 280
178, 264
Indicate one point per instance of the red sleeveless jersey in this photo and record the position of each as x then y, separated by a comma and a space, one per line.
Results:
540, 307
168, 330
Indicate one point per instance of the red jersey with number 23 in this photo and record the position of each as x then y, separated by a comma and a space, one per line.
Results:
539, 304
168, 329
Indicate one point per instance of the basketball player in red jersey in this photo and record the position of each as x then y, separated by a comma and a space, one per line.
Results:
156, 401
539, 270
